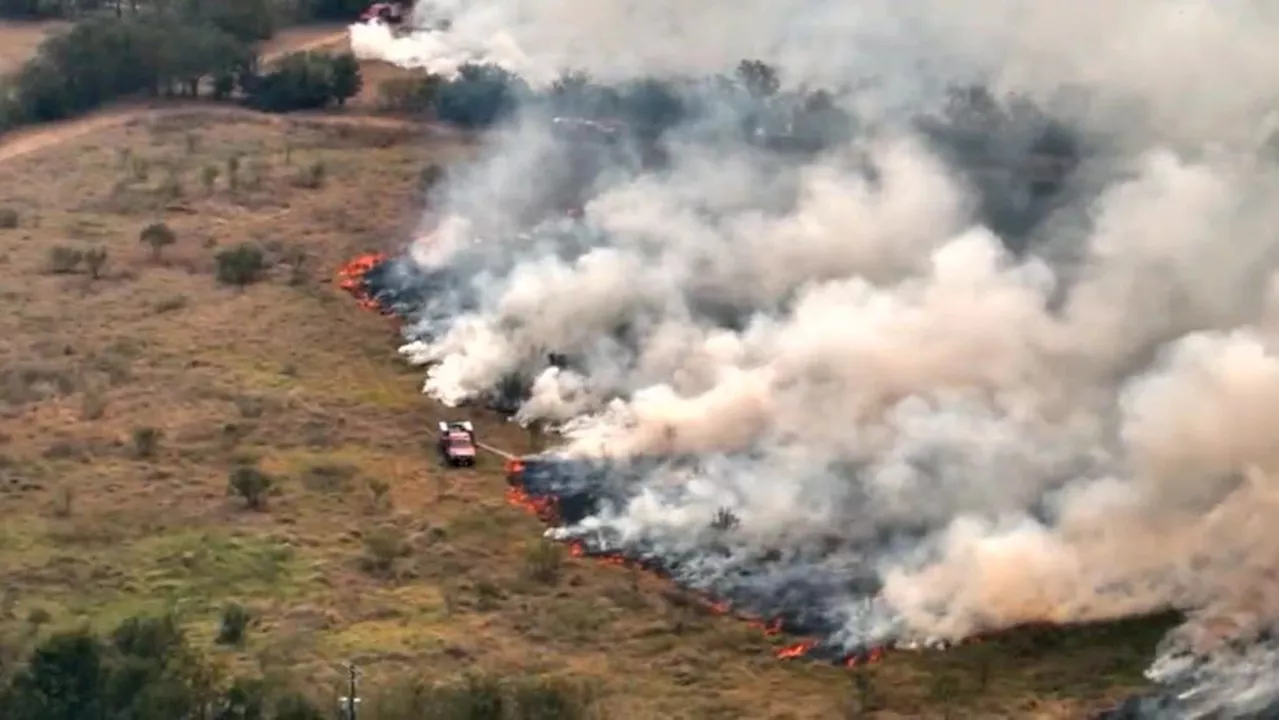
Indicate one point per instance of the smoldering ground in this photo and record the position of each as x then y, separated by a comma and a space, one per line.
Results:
991, 403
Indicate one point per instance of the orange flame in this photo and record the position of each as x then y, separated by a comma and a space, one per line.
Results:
547, 510
873, 655
799, 649
351, 275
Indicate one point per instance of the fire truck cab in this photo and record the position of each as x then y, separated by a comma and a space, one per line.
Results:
457, 443
391, 13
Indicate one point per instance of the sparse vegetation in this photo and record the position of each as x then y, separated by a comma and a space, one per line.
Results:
240, 265
384, 546
64, 260
95, 259
311, 177
146, 440
543, 562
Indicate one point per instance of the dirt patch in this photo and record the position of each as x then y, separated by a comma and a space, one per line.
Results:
19, 40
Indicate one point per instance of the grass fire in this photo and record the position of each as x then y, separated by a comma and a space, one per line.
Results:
795, 359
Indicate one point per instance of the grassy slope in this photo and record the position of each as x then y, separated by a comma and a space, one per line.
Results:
291, 374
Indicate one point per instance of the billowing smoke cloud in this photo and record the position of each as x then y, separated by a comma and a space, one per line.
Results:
1067, 418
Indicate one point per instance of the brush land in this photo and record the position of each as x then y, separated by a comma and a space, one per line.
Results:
134, 387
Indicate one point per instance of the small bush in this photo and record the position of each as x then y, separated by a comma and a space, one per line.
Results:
311, 177
146, 440
95, 259
93, 405
292, 705
429, 177
234, 623
64, 502
171, 187
8, 218
383, 546
487, 696
724, 520
379, 494
64, 260
240, 265
543, 562
158, 236
251, 484
209, 177
410, 94
38, 616
329, 477
170, 304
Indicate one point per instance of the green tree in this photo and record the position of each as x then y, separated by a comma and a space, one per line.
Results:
345, 77
245, 20
62, 681
101, 58
301, 81
235, 621
480, 96
158, 236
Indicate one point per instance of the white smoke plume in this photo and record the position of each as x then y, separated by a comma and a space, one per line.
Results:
1081, 431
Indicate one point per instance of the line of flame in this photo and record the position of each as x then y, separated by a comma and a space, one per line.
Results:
351, 280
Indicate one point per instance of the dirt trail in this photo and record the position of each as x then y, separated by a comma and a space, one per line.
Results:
28, 140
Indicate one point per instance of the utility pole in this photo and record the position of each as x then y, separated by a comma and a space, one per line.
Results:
351, 700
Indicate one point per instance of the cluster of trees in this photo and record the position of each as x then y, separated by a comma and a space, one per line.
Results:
147, 669
481, 95
304, 81
182, 48
275, 12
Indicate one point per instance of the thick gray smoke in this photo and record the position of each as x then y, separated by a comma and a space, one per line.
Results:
1078, 423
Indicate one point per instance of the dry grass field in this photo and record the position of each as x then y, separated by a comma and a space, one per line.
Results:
126, 400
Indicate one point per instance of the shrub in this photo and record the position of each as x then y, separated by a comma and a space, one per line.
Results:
488, 696
64, 260
303, 81
209, 177
240, 265
345, 80
429, 177
95, 259
94, 404
410, 94
383, 546
64, 502
251, 484
158, 236
234, 623
311, 177
145, 442
543, 562
480, 96
8, 218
